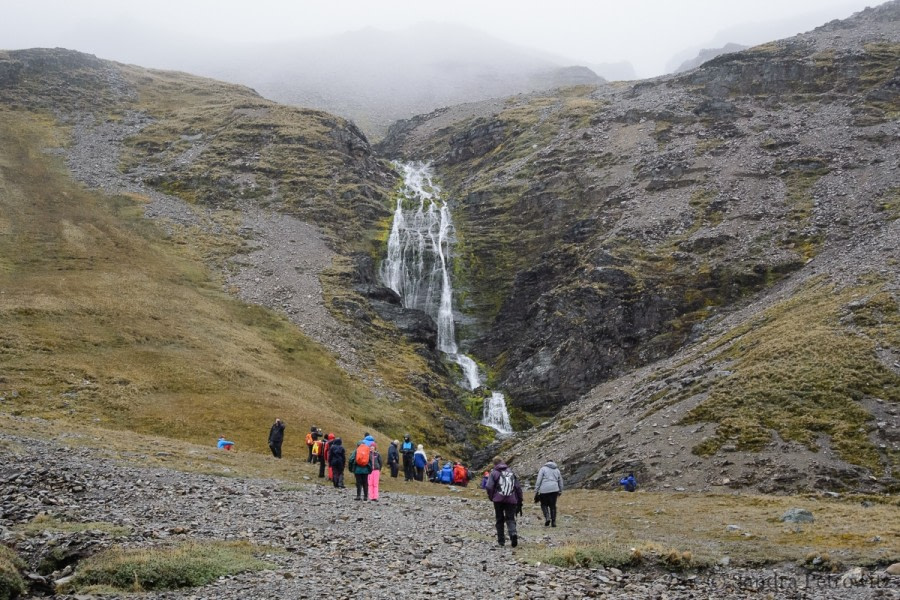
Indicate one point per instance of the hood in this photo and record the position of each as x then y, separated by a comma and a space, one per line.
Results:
551, 464
337, 442
330, 436
369, 438
500, 467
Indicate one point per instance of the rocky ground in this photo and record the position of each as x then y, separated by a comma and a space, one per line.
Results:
405, 545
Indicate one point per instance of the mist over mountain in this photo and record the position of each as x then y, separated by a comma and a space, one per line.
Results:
751, 34
371, 76
375, 77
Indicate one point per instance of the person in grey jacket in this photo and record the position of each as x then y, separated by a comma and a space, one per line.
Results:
548, 487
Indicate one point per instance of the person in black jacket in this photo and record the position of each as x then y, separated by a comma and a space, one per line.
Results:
337, 458
408, 450
394, 457
276, 437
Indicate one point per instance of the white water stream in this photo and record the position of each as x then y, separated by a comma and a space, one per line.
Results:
416, 268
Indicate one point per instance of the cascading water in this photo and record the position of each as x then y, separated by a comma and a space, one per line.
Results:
416, 268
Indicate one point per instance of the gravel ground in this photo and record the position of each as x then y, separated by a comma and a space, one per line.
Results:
402, 546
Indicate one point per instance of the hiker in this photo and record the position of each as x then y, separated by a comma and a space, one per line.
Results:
224, 444
360, 462
375, 475
434, 469
318, 451
420, 460
630, 483
446, 474
547, 488
311, 438
394, 458
337, 456
460, 475
407, 449
276, 437
323, 459
484, 479
504, 491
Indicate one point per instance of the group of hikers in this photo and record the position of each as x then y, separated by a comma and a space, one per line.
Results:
365, 463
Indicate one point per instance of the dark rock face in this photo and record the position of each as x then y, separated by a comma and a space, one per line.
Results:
475, 142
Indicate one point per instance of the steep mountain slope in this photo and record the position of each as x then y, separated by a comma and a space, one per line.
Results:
706, 55
108, 317
741, 218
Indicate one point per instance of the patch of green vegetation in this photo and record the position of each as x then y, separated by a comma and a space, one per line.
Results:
702, 199
11, 583
474, 404
44, 522
890, 204
799, 177
188, 565
802, 374
708, 146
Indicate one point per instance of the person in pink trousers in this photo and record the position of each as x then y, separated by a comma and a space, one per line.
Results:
375, 475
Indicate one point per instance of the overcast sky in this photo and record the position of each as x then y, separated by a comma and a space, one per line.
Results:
646, 33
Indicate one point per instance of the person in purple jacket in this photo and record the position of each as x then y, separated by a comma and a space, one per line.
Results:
504, 491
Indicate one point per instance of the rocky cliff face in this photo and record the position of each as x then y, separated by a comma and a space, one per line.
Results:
605, 229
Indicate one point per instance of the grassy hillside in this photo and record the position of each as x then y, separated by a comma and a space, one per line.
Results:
105, 322
115, 319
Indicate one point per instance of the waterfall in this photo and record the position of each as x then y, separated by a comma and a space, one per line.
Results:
416, 267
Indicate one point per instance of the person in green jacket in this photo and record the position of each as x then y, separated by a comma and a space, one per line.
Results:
363, 455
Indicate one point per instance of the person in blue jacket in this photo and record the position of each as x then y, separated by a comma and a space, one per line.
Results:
224, 444
446, 475
419, 462
629, 483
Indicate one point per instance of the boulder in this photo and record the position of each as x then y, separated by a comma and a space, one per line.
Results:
797, 515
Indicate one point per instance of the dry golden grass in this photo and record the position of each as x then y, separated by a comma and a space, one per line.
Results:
611, 524
104, 321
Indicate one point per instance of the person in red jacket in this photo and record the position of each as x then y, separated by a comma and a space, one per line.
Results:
460, 475
504, 491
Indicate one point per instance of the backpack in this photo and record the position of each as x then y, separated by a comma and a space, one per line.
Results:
506, 483
309, 440
362, 456
317, 447
407, 447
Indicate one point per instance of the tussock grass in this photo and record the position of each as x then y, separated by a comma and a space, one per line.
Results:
803, 371
45, 522
188, 565
11, 583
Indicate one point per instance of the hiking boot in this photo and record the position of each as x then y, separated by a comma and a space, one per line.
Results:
357, 498
513, 540
501, 541
553, 524
547, 523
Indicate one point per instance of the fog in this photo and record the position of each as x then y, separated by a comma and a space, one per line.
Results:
651, 35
